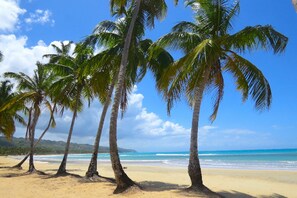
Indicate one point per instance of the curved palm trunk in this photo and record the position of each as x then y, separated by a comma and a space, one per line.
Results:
92, 170
194, 169
32, 134
62, 167
19, 165
122, 180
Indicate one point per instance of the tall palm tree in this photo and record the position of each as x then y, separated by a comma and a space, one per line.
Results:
111, 36
32, 93
144, 13
69, 88
8, 116
211, 49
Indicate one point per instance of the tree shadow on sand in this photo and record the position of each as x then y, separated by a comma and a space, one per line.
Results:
36, 172
179, 189
236, 194
275, 195
81, 179
160, 186
64, 175
5, 167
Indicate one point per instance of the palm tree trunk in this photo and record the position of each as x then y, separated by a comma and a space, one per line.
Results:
122, 180
19, 165
62, 167
92, 170
194, 169
32, 134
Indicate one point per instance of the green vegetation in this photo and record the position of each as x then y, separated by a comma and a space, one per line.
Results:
21, 146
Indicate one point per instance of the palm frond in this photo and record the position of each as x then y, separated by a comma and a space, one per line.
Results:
258, 86
251, 38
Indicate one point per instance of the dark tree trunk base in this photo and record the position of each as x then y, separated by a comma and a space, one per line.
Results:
62, 173
62, 168
124, 183
203, 190
125, 187
90, 174
92, 170
35, 171
32, 170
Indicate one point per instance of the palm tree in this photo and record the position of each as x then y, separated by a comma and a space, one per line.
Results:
111, 36
70, 86
51, 123
210, 49
33, 93
144, 13
8, 116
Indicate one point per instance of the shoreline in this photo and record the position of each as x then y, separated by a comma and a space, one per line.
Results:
157, 181
57, 158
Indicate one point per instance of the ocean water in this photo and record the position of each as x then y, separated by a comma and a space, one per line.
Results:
278, 159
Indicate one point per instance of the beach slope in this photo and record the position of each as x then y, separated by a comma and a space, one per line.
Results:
157, 182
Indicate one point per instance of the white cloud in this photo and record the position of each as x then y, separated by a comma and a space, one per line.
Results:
20, 58
40, 17
9, 15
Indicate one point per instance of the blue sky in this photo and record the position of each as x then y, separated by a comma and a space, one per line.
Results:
28, 27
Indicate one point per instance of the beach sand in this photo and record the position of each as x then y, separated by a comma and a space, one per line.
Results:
157, 182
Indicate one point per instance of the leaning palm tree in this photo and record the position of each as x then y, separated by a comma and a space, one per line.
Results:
111, 36
33, 94
144, 13
8, 116
211, 49
69, 88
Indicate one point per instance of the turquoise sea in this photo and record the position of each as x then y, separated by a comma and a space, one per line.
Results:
276, 159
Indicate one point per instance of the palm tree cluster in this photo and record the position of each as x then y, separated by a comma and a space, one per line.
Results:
210, 49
